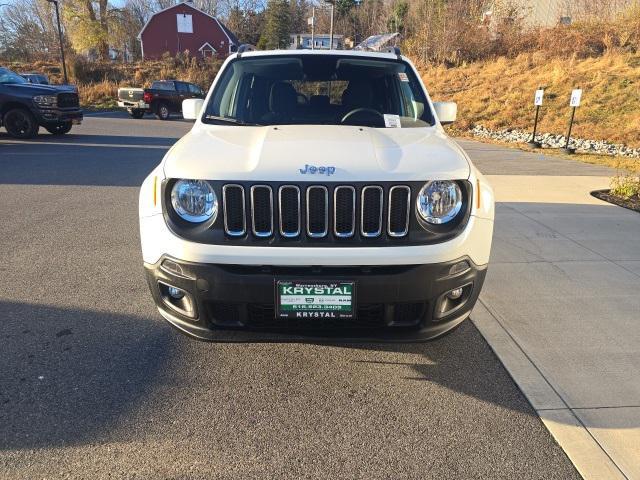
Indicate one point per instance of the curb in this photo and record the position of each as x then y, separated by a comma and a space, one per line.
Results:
586, 454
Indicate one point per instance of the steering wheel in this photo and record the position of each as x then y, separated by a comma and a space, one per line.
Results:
361, 109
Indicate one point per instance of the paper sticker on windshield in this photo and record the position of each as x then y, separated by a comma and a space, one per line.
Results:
403, 77
392, 121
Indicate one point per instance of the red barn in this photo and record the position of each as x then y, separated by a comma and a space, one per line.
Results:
184, 27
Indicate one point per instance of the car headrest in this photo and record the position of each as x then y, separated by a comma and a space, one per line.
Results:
283, 98
358, 95
319, 101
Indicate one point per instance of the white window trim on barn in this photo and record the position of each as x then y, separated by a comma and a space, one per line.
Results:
206, 46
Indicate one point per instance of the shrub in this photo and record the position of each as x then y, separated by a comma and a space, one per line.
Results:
626, 186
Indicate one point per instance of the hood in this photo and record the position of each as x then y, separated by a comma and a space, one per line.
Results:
315, 153
38, 89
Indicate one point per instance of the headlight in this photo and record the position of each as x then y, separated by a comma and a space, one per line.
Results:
439, 201
194, 200
45, 100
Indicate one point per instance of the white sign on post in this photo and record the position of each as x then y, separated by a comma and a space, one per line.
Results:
576, 95
537, 100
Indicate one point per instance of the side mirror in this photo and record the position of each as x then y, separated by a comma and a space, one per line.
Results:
191, 108
446, 112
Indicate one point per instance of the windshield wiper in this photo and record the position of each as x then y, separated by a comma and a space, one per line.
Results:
229, 121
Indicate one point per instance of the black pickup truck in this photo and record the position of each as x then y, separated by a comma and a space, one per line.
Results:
25, 107
163, 98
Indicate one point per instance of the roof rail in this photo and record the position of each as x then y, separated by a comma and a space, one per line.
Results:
394, 50
245, 47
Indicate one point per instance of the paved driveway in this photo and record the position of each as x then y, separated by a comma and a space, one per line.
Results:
94, 385
561, 304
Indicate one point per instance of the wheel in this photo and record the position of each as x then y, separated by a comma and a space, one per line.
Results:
20, 123
162, 111
59, 128
136, 113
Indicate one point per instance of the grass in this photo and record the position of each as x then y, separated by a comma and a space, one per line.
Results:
498, 94
98, 82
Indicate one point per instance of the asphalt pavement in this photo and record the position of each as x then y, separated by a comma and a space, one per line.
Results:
93, 383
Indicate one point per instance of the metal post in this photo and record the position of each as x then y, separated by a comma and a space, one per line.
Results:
566, 145
331, 30
64, 65
313, 28
532, 142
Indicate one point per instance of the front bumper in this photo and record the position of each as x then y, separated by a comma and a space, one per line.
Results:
236, 302
57, 115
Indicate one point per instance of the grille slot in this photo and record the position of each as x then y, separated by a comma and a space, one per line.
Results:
235, 219
399, 205
371, 206
317, 211
289, 210
344, 211
262, 211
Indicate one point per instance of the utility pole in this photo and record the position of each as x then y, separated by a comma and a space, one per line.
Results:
331, 27
64, 65
313, 28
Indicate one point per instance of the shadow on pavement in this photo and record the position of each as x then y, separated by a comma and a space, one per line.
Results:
68, 375
98, 164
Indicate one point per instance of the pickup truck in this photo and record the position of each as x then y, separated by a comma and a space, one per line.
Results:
25, 107
163, 98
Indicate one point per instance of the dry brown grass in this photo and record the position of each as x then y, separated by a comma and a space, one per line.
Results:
98, 82
499, 94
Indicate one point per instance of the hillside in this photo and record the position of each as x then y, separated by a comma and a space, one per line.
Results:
498, 94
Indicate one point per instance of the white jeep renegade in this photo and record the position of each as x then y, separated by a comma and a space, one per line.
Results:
317, 194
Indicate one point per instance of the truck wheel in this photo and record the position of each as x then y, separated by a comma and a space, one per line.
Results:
136, 113
162, 111
59, 128
20, 123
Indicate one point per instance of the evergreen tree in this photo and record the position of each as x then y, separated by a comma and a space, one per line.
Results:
277, 25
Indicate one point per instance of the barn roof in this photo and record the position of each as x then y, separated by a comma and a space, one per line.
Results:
232, 38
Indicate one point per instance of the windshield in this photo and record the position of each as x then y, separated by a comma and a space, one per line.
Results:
319, 90
7, 76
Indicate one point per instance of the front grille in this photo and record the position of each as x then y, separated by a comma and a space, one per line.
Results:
316, 211
68, 100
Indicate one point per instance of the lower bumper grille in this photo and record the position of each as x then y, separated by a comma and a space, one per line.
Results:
262, 316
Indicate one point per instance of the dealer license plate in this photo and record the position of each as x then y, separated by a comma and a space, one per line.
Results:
311, 299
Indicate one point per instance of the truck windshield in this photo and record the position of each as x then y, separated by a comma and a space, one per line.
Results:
319, 90
7, 77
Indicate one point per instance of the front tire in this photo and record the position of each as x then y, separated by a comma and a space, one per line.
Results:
59, 128
20, 123
136, 113
162, 111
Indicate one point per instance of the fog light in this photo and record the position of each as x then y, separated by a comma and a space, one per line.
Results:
175, 293
455, 293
